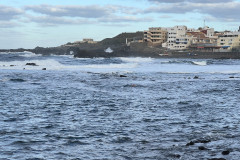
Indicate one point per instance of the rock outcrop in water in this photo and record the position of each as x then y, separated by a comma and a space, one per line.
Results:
31, 64
225, 152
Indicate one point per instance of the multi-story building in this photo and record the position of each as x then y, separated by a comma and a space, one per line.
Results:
202, 39
155, 36
177, 38
229, 41
209, 32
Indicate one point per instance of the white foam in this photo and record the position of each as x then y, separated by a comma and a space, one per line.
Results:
49, 63
110, 66
68, 56
4, 53
136, 59
200, 63
108, 50
132, 65
30, 54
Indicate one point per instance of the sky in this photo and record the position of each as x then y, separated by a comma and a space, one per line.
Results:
51, 23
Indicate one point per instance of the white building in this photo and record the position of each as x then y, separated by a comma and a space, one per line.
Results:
177, 38
209, 32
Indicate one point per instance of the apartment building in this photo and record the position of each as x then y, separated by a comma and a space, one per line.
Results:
155, 36
177, 38
229, 40
201, 39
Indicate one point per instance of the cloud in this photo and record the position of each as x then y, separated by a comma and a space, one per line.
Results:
167, 1
209, 1
121, 9
192, 1
227, 11
47, 21
165, 16
222, 11
8, 24
120, 19
49, 15
181, 20
170, 8
93, 11
8, 13
53, 21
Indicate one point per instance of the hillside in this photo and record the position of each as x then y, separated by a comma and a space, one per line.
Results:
117, 43
120, 39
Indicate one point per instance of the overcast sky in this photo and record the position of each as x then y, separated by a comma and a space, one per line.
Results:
49, 23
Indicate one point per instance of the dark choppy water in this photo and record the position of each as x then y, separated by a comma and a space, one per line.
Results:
83, 109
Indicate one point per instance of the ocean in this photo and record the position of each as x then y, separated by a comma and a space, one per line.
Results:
118, 108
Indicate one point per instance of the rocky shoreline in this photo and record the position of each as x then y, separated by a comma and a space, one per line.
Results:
120, 49
125, 51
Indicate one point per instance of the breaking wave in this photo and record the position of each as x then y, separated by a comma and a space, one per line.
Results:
200, 63
136, 59
51, 64
29, 54
109, 66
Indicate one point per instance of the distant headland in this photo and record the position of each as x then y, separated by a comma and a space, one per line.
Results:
156, 42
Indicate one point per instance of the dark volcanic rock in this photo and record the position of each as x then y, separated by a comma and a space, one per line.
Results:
217, 159
51, 50
202, 141
202, 148
225, 152
17, 80
123, 76
190, 143
198, 141
31, 64
44, 69
175, 156
88, 54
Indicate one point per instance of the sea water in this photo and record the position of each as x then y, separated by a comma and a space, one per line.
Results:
118, 108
